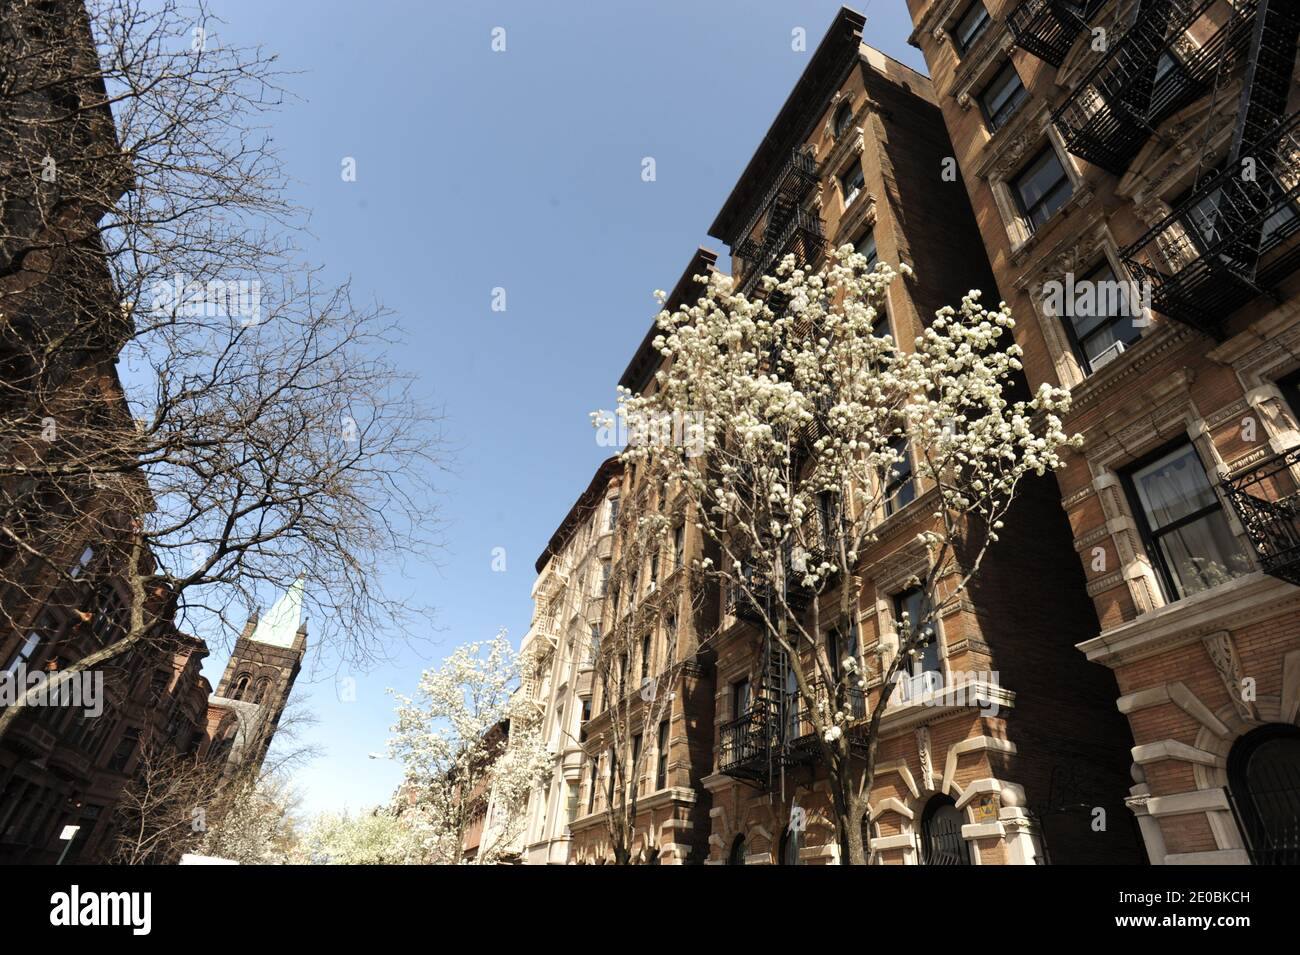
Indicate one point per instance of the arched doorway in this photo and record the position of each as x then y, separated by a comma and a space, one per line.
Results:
737, 854
1264, 786
941, 839
791, 843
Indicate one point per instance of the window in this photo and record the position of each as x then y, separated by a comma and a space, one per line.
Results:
583, 720
82, 563
941, 839
158, 686
923, 672
851, 183
670, 630
840, 646
125, 750
900, 489
241, 687
654, 570
866, 245
604, 577
44, 625
1183, 524
634, 770
645, 656
613, 513
970, 27
1002, 97
1290, 388
261, 689
1100, 319
661, 770
591, 793
595, 641
740, 698
109, 622
1041, 188
843, 114
1264, 779
679, 546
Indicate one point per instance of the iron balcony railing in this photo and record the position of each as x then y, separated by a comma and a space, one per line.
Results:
1233, 239
1266, 498
747, 742
1146, 77
1047, 28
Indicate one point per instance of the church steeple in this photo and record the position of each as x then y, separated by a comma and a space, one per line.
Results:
259, 677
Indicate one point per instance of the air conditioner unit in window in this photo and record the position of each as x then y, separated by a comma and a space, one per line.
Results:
1106, 356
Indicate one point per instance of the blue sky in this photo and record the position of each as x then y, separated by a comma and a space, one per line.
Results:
519, 170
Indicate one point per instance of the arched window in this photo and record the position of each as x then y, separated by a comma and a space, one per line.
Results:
241, 687
260, 689
1264, 781
791, 843
941, 840
737, 854
842, 116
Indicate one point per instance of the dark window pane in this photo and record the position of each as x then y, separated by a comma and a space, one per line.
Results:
1002, 96
970, 26
1042, 188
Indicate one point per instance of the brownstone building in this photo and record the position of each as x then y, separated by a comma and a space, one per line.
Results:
1154, 142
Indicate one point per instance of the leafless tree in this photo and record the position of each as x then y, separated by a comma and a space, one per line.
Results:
187, 799
189, 412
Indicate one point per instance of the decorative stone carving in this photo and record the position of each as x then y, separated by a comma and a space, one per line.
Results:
1223, 654
927, 758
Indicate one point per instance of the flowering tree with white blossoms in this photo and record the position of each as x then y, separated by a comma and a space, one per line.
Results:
466, 741
803, 412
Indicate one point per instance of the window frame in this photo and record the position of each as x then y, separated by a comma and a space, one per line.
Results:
1077, 344
1027, 212
855, 167
1169, 583
981, 27
997, 120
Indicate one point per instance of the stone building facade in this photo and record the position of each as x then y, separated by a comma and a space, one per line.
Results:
1154, 142
557, 651
993, 742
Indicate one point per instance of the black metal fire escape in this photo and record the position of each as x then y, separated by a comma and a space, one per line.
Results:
1146, 77
1047, 28
1235, 236
786, 226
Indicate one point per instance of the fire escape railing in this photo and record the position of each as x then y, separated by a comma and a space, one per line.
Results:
786, 226
1266, 498
1233, 239
1146, 77
1047, 28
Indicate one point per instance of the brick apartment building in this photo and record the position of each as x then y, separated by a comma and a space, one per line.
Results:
654, 619
964, 775
59, 764
1085, 146
1155, 142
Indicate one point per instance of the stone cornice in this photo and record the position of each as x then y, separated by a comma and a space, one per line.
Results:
1242, 601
